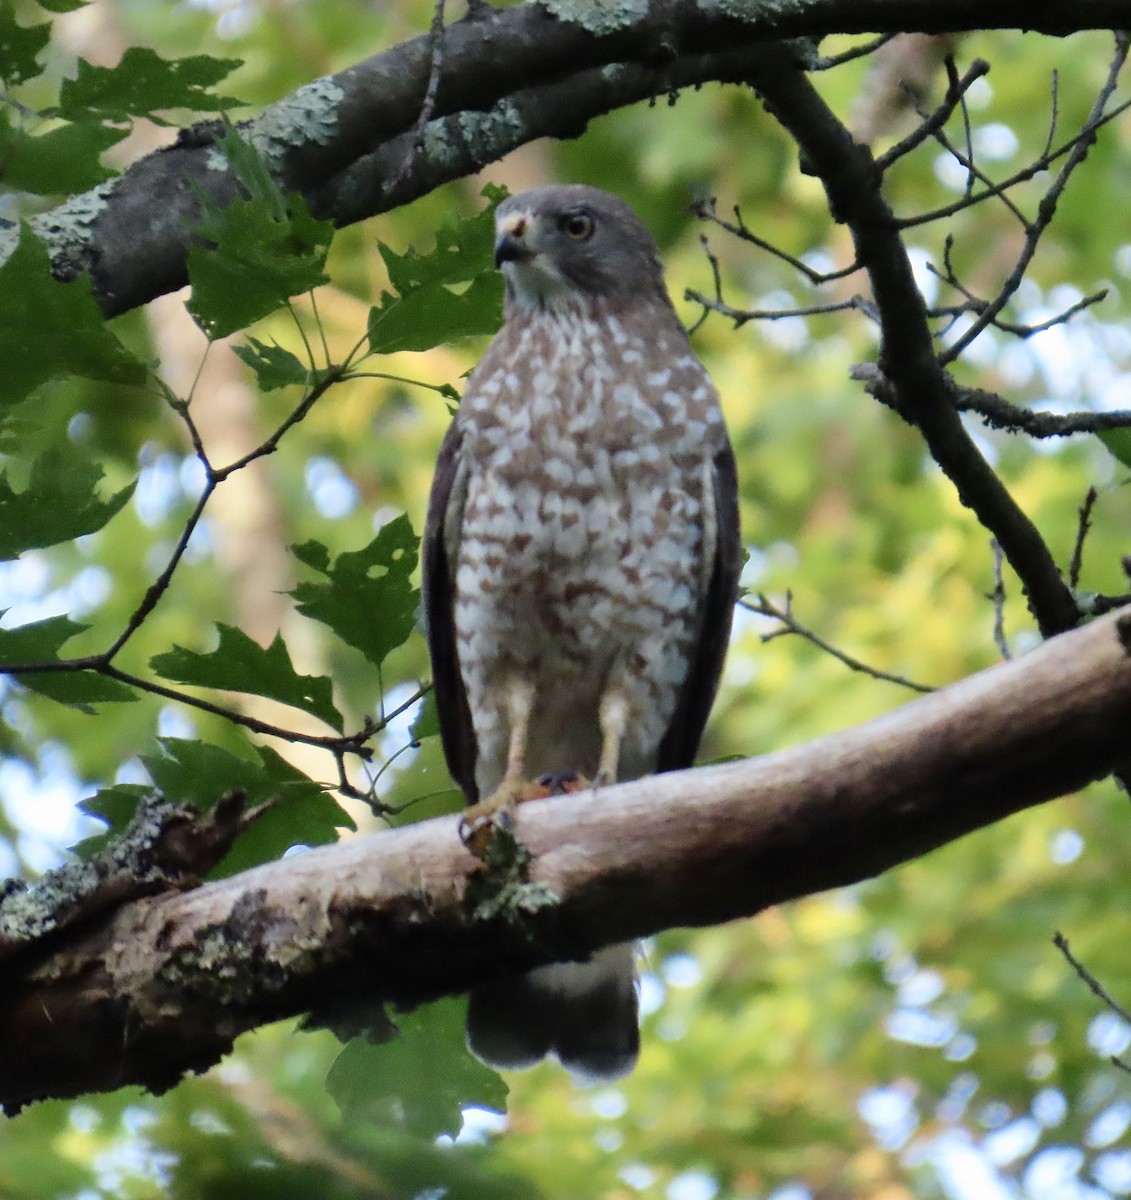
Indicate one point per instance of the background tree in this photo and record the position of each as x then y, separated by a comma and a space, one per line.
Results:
916, 1034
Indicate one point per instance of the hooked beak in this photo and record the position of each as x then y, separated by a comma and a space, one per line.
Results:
512, 241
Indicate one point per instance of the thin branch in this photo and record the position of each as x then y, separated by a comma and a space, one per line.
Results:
1094, 985
999, 413
789, 624
976, 305
827, 63
740, 316
432, 90
1084, 513
998, 598
705, 211
1046, 210
1034, 169
909, 376
955, 91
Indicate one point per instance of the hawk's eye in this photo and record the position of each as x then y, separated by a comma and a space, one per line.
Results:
578, 225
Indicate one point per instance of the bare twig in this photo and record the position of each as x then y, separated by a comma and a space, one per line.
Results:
845, 56
1034, 169
998, 598
1085, 514
1046, 210
974, 304
1097, 989
955, 91
705, 211
432, 88
908, 375
740, 316
789, 624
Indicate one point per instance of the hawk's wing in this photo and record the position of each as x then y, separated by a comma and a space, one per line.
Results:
681, 741
440, 553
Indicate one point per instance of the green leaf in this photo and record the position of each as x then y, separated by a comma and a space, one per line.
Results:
59, 503
63, 160
1118, 442
432, 314
369, 600
78, 689
38, 641
426, 312
116, 806
48, 328
274, 367
427, 722
264, 249
465, 248
239, 664
20, 46
420, 1081
62, 6
41, 641
142, 83
303, 813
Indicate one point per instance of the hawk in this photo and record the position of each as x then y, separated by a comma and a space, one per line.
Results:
581, 561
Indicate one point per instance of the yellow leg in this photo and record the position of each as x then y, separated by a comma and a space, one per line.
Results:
477, 822
613, 718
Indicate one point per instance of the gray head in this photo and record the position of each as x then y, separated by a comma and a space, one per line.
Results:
558, 246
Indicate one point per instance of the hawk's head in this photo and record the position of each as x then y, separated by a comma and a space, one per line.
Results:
558, 246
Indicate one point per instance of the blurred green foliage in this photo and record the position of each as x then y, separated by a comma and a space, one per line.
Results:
852, 1044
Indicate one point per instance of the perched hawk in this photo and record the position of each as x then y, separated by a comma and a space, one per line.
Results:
581, 560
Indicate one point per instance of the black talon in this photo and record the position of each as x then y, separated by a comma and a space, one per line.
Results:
557, 783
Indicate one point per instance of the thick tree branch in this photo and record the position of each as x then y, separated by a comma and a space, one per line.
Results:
503, 73
166, 984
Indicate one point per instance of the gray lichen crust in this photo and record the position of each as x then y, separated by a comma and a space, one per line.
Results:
308, 114
165, 846
753, 10
598, 16
67, 230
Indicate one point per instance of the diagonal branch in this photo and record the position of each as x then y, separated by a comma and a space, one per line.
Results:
164, 984
909, 376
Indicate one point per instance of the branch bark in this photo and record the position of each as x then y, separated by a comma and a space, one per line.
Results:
509, 77
166, 983
910, 377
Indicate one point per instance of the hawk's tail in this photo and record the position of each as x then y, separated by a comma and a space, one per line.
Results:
586, 1013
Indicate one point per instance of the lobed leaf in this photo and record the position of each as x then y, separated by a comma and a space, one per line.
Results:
421, 1080
368, 600
274, 367
240, 664
41, 641
199, 773
59, 503
20, 46
144, 83
264, 249
48, 328
63, 160
432, 314
465, 248
426, 312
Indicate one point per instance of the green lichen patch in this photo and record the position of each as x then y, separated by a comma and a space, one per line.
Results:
598, 16
503, 889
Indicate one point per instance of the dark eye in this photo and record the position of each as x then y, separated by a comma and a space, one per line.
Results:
579, 226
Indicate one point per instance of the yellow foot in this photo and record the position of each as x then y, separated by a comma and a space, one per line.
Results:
480, 821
